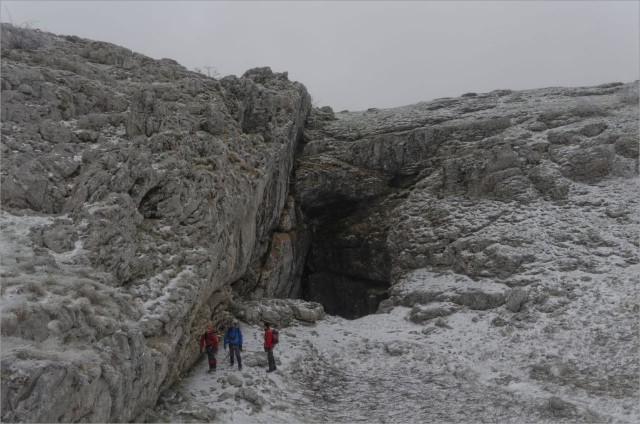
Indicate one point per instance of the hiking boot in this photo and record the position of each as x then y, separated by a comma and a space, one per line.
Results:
270, 370
240, 368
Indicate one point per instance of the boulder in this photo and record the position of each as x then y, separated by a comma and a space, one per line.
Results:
516, 299
281, 312
420, 314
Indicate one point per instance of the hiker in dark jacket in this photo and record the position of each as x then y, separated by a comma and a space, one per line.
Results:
209, 342
233, 337
268, 345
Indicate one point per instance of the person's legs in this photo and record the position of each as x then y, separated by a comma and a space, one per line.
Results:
271, 360
237, 353
234, 351
211, 356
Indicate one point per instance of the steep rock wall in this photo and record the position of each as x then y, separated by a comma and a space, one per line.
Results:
149, 189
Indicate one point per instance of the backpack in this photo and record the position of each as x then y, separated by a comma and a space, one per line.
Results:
232, 336
274, 334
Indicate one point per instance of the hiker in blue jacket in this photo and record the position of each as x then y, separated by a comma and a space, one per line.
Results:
233, 337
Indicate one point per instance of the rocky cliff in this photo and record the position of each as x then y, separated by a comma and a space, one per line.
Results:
140, 200
472, 185
140, 191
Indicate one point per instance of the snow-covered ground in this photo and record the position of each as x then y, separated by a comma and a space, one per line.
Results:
572, 357
569, 354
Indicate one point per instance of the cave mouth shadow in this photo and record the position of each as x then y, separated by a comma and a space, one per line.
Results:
344, 296
348, 266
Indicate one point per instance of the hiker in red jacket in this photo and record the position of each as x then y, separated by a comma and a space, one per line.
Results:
268, 345
209, 342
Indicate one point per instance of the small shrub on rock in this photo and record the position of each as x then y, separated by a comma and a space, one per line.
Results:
630, 95
586, 109
22, 37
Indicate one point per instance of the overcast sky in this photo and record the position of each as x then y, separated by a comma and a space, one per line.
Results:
356, 55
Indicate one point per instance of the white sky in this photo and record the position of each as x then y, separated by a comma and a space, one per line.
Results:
361, 54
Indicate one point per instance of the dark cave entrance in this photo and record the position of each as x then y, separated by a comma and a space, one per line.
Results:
347, 269
344, 296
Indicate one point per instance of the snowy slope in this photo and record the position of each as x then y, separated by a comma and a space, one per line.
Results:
566, 364
570, 353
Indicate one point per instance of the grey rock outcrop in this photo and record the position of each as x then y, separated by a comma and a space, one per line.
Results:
168, 185
462, 184
281, 312
278, 272
516, 299
420, 314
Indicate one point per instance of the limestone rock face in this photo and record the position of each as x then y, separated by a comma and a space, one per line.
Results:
140, 199
278, 262
506, 225
471, 184
148, 188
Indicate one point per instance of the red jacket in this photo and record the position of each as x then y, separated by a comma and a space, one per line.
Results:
268, 338
209, 339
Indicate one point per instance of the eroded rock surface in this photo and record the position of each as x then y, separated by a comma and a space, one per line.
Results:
501, 187
149, 189
141, 199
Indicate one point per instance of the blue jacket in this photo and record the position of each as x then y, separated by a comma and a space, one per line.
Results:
233, 336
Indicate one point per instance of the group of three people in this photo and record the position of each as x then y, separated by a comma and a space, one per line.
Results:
233, 337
